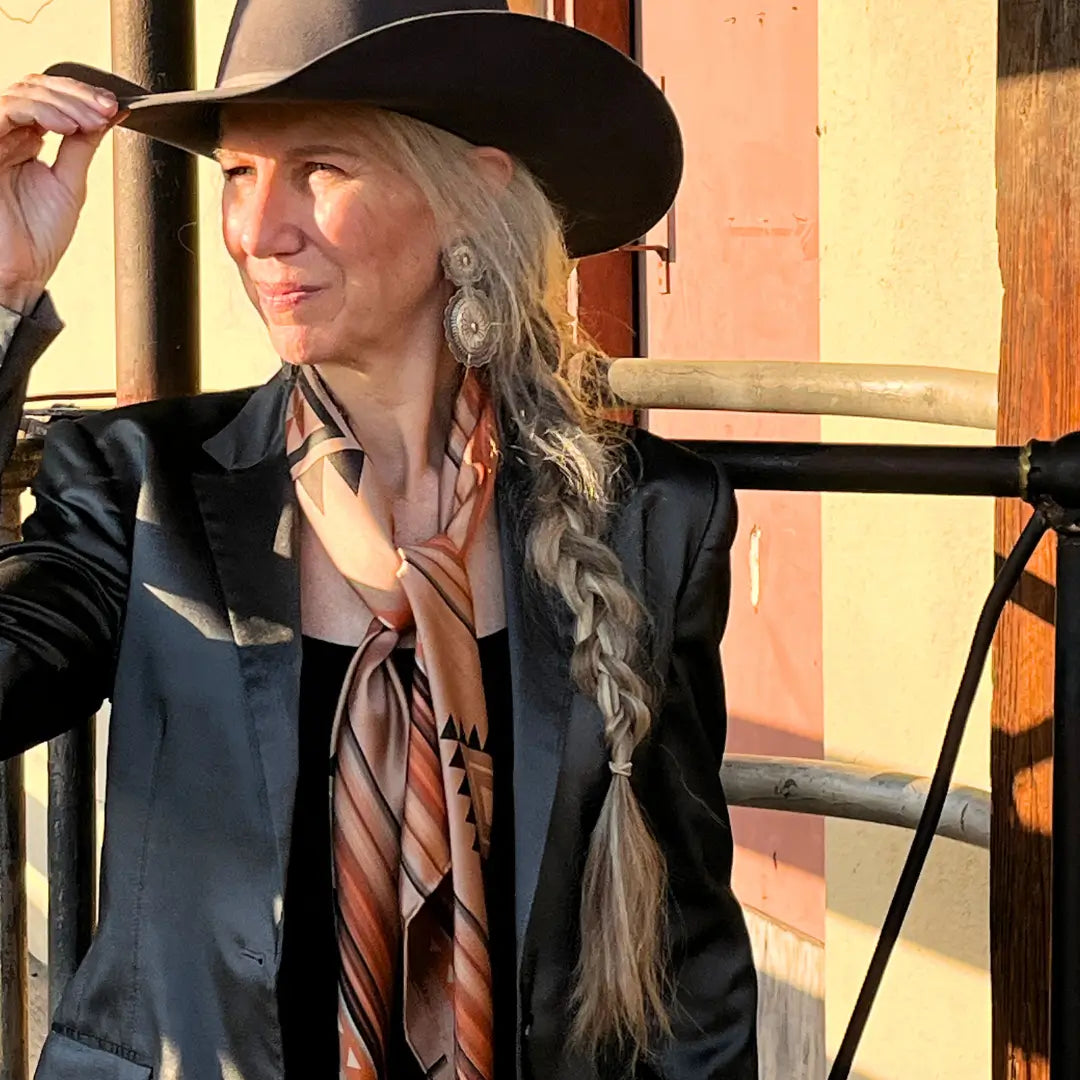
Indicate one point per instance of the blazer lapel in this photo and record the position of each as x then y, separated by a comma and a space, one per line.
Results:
249, 511
541, 692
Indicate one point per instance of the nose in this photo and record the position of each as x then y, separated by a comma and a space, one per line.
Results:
263, 218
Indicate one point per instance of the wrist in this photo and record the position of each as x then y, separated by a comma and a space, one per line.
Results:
20, 298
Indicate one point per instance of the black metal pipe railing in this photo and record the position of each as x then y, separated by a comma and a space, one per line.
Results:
72, 848
1065, 839
897, 470
14, 970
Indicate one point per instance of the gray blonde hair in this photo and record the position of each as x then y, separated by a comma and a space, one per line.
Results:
547, 391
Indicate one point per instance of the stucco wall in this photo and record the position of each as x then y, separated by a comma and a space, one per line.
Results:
908, 275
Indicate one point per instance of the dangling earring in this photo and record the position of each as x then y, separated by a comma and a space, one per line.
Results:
470, 330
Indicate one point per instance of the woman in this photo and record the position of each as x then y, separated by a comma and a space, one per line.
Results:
417, 708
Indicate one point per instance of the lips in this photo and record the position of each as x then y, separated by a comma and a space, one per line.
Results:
284, 294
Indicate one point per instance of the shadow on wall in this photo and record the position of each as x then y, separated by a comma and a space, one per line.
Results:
864, 863
796, 840
1021, 851
865, 860
1048, 42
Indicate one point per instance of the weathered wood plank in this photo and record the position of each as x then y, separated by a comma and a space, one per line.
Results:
605, 301
791, 1000
1038, 163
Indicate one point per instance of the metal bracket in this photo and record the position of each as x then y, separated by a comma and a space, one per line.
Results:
665, 251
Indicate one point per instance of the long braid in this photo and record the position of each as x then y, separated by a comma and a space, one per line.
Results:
625, 874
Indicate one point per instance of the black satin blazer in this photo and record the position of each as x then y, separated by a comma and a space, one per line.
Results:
159, 570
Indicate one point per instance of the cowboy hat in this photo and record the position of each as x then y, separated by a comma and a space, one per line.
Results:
587, 122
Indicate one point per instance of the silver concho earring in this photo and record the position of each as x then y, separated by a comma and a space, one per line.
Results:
470, 330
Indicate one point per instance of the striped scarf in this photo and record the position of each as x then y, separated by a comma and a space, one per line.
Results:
411, 791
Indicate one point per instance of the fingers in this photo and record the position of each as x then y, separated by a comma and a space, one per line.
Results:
96, 96
63, 106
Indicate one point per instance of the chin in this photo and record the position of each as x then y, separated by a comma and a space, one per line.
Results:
298, 346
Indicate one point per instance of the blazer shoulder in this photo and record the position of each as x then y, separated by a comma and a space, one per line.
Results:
171, 428
679, 479
678, 505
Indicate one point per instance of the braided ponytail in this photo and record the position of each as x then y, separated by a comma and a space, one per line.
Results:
619, 981
548, 393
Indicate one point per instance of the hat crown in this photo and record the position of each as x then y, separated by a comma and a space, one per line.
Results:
282, 35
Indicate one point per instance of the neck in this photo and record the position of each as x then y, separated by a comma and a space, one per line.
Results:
399, 400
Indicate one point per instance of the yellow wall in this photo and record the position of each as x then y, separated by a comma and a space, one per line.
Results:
908, 275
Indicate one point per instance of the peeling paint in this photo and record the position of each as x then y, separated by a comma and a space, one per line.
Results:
755, 567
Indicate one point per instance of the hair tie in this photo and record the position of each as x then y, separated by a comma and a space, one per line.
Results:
623, 768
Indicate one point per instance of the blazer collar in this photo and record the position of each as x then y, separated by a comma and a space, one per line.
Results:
256, 433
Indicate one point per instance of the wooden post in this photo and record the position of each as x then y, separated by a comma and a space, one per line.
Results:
156, 213
606, 282
1038, 169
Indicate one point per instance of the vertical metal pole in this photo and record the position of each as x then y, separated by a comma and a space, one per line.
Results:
156, 213
1065, 921
72, 814
14, 961
14, 975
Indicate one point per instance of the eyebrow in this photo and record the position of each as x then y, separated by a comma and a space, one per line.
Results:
308, 151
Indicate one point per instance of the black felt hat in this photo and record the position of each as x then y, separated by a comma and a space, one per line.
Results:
586, 120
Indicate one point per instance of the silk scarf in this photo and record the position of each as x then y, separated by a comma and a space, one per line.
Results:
411, 789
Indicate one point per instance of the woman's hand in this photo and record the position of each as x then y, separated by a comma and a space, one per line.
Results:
40, 204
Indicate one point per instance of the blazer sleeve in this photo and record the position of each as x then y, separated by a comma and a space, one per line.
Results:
23, 338
714, 1013
62, 594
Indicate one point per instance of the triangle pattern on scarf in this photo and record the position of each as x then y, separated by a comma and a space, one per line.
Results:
312, 483
349, 464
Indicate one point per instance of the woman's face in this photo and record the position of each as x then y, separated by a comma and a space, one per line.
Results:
337, 250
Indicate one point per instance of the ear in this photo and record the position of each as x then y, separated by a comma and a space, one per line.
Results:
495, 166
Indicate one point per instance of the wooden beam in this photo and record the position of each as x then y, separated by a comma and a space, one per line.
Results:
1038, 168
606, 282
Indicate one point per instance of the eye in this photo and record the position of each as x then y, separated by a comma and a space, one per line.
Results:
237, 171
322, 166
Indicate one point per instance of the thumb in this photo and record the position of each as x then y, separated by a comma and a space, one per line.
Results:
73, 160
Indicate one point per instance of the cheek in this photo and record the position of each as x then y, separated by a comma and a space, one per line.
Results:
392, 241
232, 233
231, 227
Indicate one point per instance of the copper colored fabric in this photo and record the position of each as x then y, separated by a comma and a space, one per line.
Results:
412, 789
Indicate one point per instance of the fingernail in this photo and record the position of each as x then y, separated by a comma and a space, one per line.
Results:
105, 99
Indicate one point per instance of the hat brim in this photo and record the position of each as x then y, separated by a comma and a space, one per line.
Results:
592, 127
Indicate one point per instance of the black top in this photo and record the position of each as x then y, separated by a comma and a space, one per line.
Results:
307, 981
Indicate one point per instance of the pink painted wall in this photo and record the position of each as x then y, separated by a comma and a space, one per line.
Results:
744, 284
